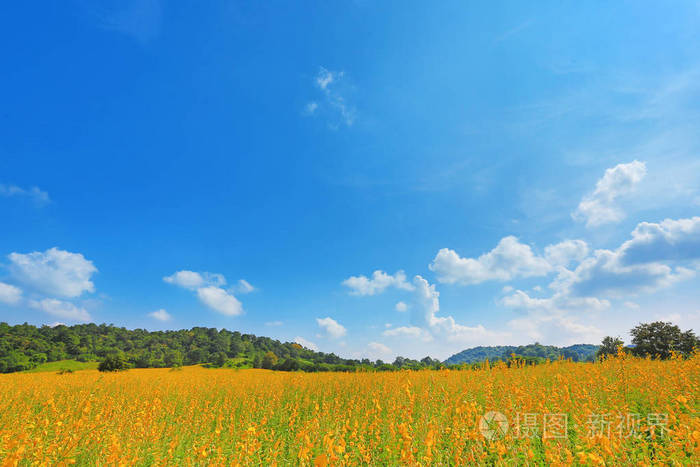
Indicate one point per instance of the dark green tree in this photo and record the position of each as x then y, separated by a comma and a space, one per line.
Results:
659, 339
269, 360
113, 362
609, 346
219, 359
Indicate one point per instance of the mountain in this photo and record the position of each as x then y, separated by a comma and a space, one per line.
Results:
577, 352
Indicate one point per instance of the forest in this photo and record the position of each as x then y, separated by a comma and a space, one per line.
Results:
24, 347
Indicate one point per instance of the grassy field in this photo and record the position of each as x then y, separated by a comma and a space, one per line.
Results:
620, 412
62, 365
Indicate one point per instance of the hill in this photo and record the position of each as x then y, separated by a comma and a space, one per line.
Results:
577, 352
27, 347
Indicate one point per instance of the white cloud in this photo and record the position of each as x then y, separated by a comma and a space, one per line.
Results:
39, 197
669, 240
600, 207
193, 280
160, 315
378, 351
306, 343
333, 88
426, 325
219, 300
508, 260
331, 327
409, 331
605, 274
274, 323
380, 281
61, 309
310, 108
401, 306
553, 328
10, 294
566, 252
54, 272
209, 291
244, 287
558, 302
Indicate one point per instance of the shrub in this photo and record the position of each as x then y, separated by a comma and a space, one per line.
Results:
114, 362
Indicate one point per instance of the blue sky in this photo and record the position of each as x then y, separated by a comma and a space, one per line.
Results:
516, 172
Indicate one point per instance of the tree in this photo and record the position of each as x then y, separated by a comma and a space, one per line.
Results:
113, 362
174, 358
659, 339
269, 360
609, 346
219, 359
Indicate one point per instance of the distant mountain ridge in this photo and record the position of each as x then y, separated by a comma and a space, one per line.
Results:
576, 352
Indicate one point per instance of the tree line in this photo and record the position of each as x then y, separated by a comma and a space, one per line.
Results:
24, 346
655, 340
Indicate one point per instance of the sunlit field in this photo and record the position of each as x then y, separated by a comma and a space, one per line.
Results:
623, 411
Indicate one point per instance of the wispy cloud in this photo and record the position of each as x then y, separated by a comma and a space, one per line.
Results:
39, 197
333, 102
514, 31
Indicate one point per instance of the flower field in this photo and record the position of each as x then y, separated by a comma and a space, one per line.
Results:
623, 411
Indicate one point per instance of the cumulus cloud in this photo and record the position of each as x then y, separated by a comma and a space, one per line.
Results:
208, 287
508, 260
600, 207
605, 274
39, 197
306, 343
566, 252
401, 306
560, 301
332, 328
426, 325
160, 315
380, 281
193, 280
9, 294
219, 300
61, 309
554, 327
647, 262
669, 240
54, 272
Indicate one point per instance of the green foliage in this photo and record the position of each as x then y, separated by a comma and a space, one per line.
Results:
113, 362
577, 353
63, 365
659, 339
269, 360
609, 346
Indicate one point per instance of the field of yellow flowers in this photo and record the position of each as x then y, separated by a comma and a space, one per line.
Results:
623, 411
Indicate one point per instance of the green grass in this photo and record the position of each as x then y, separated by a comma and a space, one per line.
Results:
64, 365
